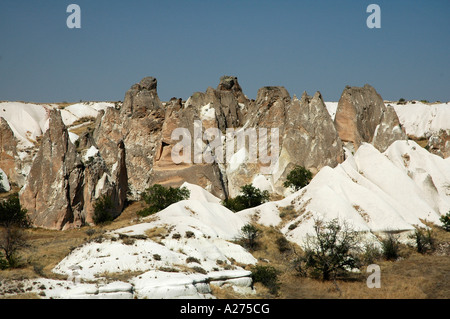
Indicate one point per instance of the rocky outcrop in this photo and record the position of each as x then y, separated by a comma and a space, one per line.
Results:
138, 124
53, 193
360, 112
439, 143
8, 153
310, 138
61, 188
388, 131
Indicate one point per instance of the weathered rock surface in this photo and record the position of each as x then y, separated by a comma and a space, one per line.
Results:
60, 188
8, 152
439, 143
360, 112
138, 124
310, 138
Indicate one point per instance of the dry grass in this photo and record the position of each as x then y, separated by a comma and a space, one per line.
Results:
413, 276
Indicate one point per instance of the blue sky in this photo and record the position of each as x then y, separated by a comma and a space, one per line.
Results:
187, 45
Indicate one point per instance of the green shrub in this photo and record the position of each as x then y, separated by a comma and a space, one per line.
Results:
445, 219
330, 252
283, 244
268, 276
250, 197
159, 197
425, 241
249, 235
103, 210
390, 247
298, 178
12, 213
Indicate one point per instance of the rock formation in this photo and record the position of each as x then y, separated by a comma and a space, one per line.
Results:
360, 112
61, 188
8, 152
310, 138
439, 143
132, 146
138, 124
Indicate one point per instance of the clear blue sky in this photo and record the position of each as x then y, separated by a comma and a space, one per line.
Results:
188, 44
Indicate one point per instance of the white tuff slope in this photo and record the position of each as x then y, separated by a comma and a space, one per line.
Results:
422, 120
371, 191
28, 120
199, 234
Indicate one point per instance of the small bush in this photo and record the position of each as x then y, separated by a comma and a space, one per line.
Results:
192, 260
12, 213
268, 276
249, 235
445, 219
425, 241
283, 244
156, 257
249, 197
390, 247
190, 234
103, 210
330, 252
159, 197
371, 254
298, 178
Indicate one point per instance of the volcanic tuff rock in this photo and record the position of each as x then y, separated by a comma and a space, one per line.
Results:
135, 145
439, 143
360, 111
60, 188
8, 152
138, 124
310, 138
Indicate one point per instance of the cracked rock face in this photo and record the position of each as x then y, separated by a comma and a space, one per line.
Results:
361, 116
138, 123
53, 191
61, 189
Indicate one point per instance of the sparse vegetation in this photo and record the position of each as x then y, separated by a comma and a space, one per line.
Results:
332, 251
250, 197
103, 210
268, 276
249, 236
391, 247
298, 178
445, 220
425, 241
13, 218
159, 197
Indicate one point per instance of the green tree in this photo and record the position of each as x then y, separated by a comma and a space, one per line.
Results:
12, 213
298, 178
12, 238
249, 197
159, 197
